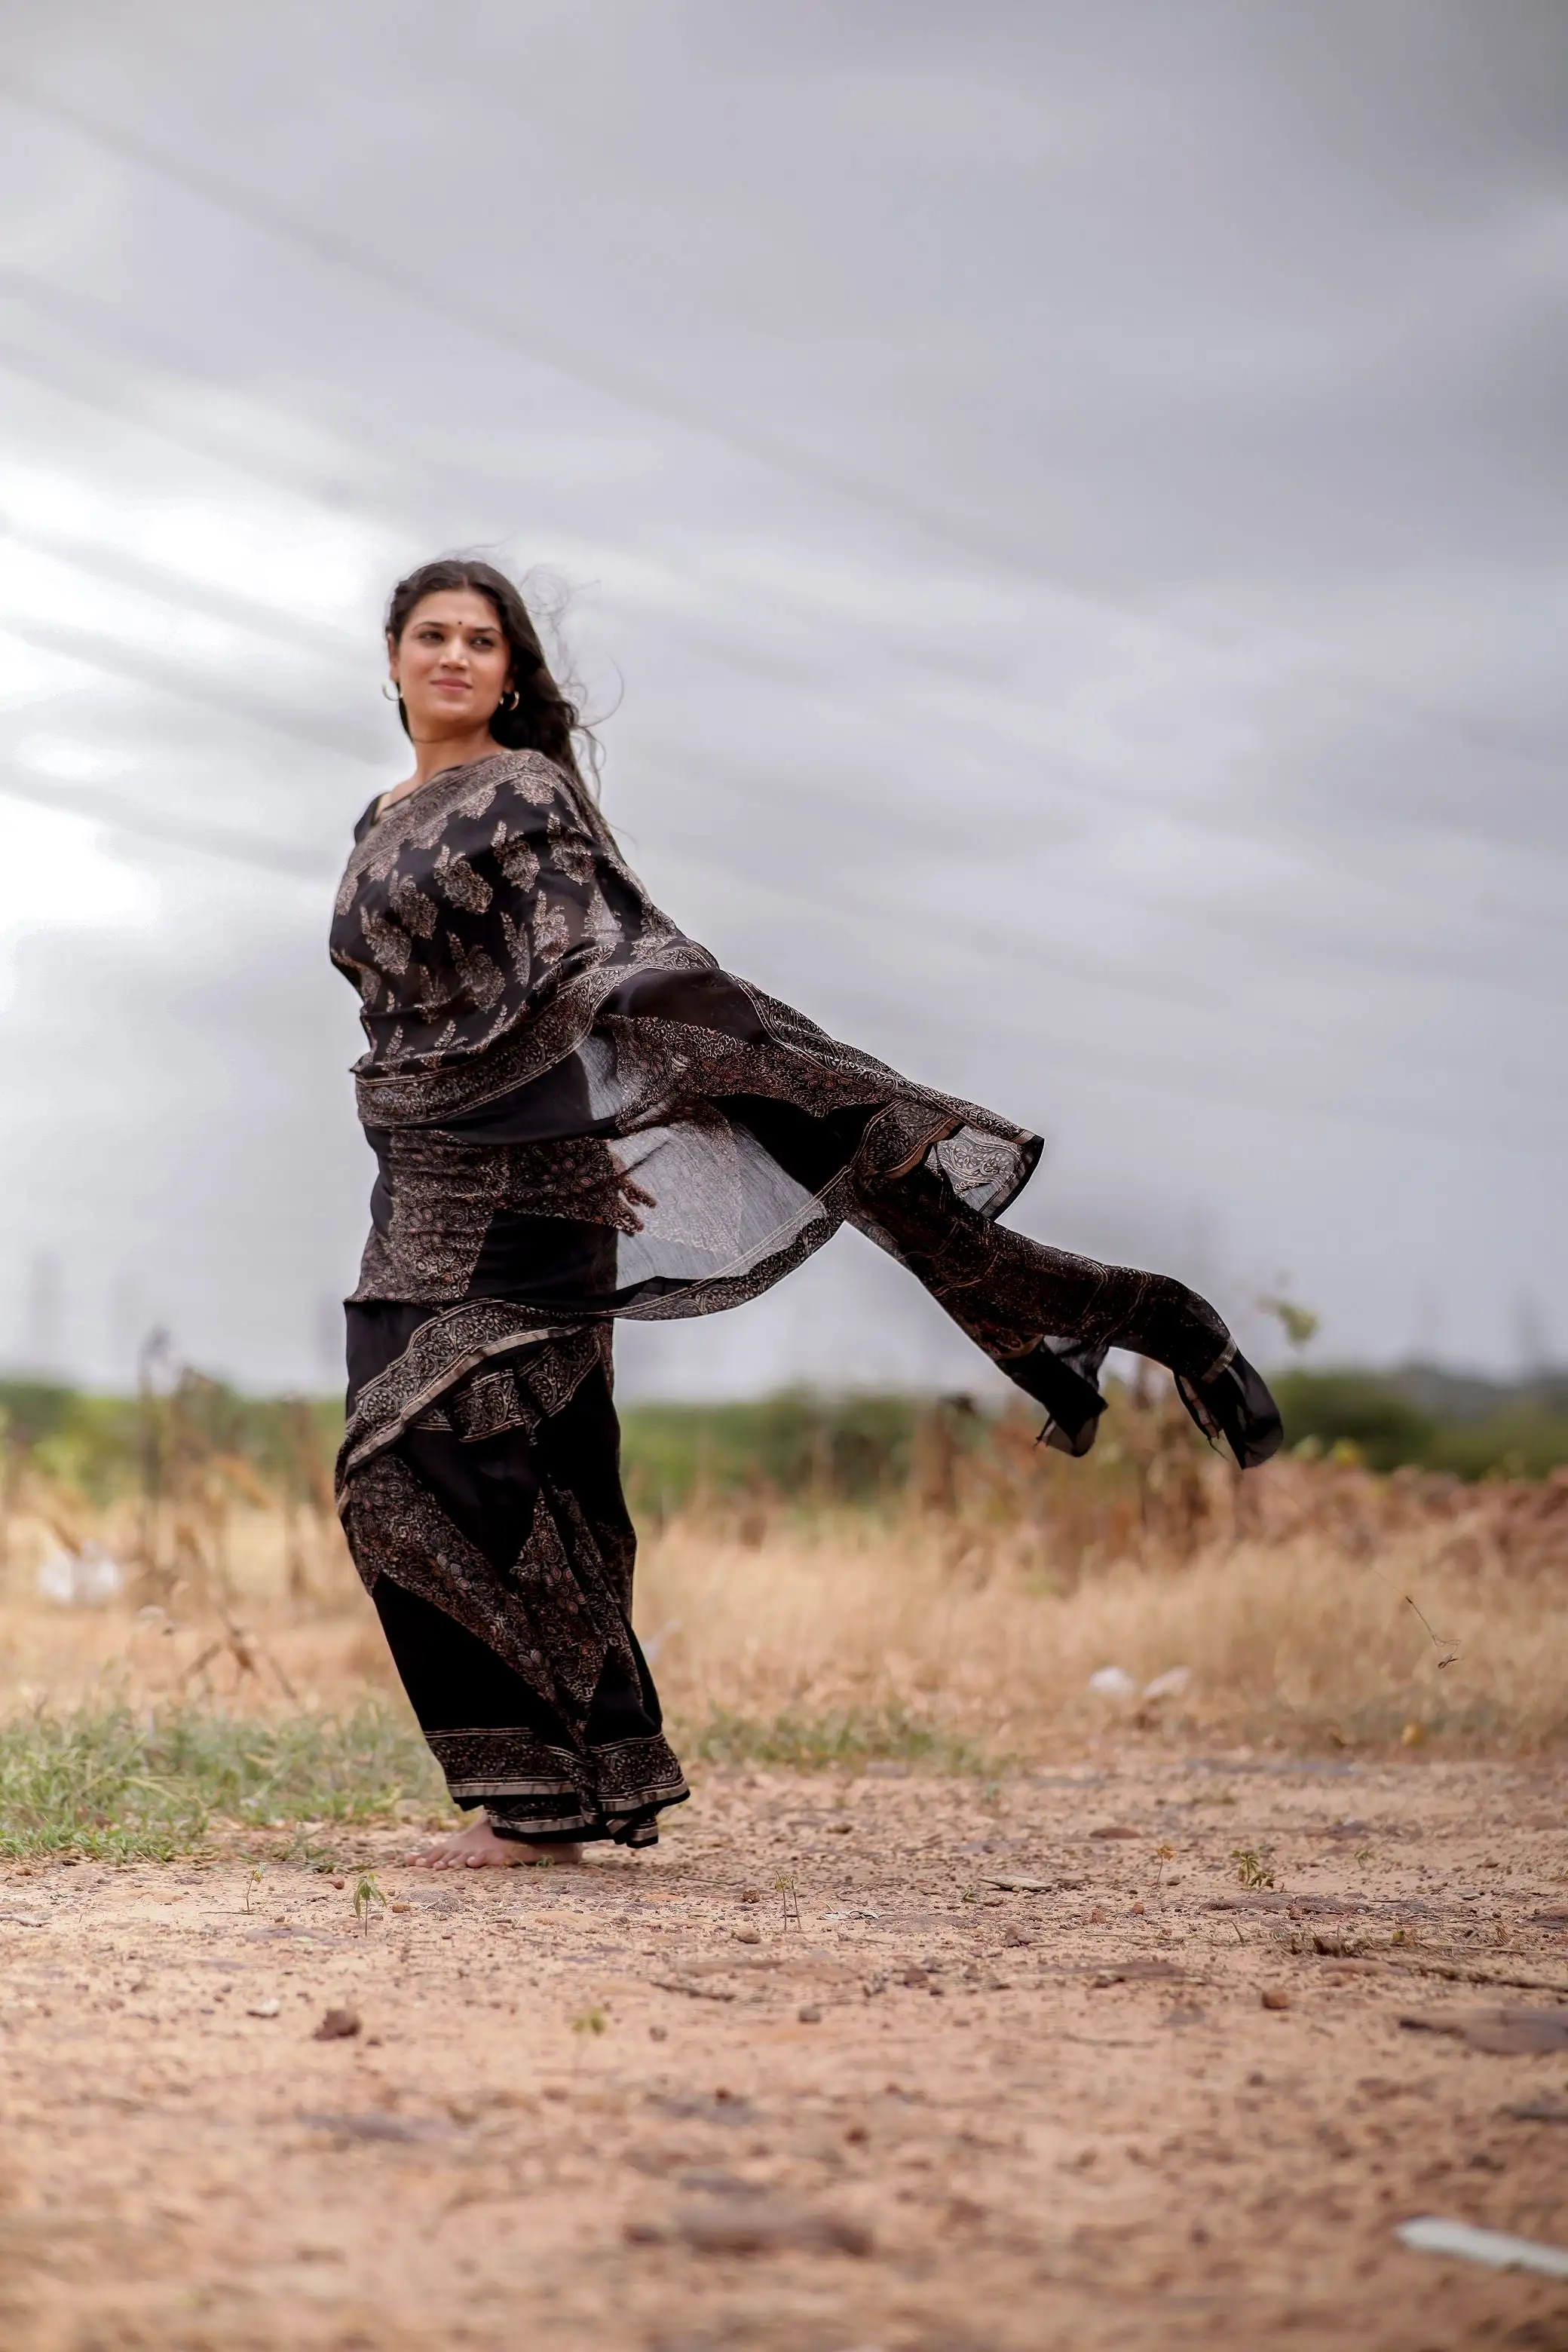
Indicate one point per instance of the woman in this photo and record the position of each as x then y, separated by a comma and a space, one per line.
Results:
578, 1116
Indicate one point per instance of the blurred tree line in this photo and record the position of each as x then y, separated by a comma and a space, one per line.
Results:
1430, 1419
107, 1446
805, 1444
797, 1444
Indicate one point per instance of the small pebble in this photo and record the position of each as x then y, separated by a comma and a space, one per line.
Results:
811, 2015
337, 2025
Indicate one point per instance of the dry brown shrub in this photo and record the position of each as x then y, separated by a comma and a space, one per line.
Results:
1313, 1603
1303, 1639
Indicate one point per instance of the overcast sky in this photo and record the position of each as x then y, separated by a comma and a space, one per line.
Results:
1060, 506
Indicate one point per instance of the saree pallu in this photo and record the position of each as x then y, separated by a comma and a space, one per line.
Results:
579, 1118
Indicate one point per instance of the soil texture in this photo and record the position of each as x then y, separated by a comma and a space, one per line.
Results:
1133, 2055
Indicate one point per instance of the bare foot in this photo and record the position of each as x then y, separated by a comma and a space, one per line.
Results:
478, 1848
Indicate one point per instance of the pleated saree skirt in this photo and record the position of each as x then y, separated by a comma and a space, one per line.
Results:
493, 1537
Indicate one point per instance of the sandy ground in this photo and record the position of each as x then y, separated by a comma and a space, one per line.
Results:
630, 2105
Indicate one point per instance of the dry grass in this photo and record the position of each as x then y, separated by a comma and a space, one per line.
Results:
1299, 1643
956, 1621
960, 1624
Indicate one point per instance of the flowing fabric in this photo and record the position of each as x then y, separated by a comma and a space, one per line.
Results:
578, 1116
498, 1550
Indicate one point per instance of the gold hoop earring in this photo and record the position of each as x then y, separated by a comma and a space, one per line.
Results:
509, 701
392, 691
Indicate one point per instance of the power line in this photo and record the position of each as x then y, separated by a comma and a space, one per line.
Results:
178, 832
1306, 839
825, 794
196, 594
132, 664
101, 559
1148, 1071
211, 598
994, 942
623, 385
629, 388
188, 439
1116, 1065
143, 669
192, 593
989, 941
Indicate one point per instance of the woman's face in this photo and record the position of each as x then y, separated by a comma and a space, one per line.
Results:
452, 664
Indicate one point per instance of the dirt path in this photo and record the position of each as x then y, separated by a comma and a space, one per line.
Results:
630, 2107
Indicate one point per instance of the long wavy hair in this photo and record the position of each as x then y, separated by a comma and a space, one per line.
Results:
545, 719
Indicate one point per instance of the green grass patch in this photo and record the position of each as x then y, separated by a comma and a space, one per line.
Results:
126, 1786
854, 1737
115, 1784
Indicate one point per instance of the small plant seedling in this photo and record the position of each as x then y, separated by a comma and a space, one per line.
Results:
1363, 1854
367, 1896
1163, 1853
785, 1885
1300, 1324
1252, 1866
590, 2021
253, 1884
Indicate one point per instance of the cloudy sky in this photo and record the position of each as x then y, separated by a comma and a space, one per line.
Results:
1060, 508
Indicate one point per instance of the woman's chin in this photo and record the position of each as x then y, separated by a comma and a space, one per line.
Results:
443, 723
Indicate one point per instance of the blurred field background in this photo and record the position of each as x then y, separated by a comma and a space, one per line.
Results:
873, 1578
1050, 516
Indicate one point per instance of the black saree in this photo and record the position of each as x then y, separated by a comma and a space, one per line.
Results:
578, 1117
